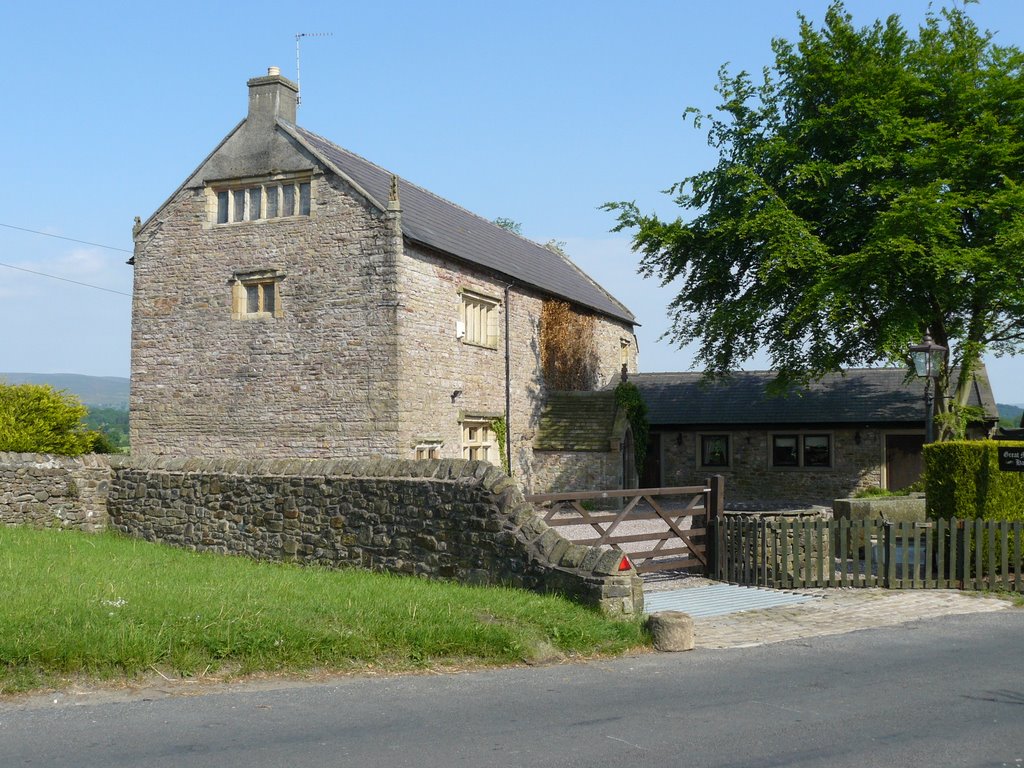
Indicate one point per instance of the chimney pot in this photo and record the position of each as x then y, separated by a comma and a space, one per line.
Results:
273, 71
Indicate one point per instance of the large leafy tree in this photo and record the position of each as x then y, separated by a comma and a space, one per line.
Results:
868, 187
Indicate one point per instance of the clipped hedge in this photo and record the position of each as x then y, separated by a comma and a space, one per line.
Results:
963, 481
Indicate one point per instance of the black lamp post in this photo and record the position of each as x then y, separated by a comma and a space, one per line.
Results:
928, 358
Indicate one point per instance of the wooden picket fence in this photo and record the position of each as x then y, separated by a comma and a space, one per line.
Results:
939, 554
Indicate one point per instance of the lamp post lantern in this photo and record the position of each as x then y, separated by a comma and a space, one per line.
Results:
928, 358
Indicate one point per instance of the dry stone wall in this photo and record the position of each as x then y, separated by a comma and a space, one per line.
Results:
47, 491
448, 519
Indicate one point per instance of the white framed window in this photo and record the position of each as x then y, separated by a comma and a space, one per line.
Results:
802, 450
478, 440
264, 199
478, 320
256, 294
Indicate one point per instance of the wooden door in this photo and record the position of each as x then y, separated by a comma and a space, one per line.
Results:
651, 475
903, 463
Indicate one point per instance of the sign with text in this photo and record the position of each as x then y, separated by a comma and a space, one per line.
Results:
1011, 459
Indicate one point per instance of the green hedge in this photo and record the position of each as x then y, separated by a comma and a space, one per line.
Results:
963, 480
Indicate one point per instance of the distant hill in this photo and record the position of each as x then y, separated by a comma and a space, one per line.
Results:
95, 391
1010, 413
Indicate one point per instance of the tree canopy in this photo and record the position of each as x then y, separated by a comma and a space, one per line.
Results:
37, 418
867, 188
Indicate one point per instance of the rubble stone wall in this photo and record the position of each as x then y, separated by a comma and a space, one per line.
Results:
47, 491
447, 519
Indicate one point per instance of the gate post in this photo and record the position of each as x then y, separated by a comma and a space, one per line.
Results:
714, 506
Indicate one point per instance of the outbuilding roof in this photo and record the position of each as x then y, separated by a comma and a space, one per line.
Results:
578, 421
857, 396
439, 224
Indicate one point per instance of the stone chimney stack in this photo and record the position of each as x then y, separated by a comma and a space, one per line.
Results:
271, 97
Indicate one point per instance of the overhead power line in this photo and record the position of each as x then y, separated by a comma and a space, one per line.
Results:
61, 237
65, 279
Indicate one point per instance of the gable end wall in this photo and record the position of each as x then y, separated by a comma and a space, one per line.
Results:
321, 380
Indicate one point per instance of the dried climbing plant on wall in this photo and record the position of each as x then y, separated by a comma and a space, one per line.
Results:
568, 356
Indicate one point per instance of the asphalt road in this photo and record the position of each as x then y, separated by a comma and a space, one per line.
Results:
943, 692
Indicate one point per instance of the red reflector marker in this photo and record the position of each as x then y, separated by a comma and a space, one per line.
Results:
624, 564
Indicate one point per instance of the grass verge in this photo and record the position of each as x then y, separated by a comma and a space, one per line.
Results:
104, 607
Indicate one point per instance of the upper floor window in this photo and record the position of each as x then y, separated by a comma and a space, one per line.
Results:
478, 321
270, 199
256, 294
624, 349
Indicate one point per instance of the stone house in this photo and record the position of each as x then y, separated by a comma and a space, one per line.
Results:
292, 299
862, 428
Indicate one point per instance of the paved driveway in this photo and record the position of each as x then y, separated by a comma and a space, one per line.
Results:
837, 611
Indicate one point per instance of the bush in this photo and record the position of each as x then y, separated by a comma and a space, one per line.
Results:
37, 418
963, 481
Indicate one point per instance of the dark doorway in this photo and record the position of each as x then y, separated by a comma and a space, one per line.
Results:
651, 475
902, 460
629, 477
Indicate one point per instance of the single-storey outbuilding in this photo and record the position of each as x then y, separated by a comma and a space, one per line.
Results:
848, 431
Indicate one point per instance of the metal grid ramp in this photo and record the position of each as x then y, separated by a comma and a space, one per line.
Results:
720, 599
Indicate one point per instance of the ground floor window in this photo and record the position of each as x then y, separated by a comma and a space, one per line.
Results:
801, 450
714, 450
428, 449
479, 442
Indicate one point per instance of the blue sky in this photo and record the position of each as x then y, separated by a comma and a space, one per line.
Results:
535, 111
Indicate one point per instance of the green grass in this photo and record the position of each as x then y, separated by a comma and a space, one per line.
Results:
104, 607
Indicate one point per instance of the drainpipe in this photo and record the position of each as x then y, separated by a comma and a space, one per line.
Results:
508, 380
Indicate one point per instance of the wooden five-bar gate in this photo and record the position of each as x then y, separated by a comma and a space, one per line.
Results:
939, 554
658, 528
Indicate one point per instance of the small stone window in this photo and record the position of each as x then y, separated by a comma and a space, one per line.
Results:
714, 450
256, 294
269, 199
478, 320
428, 449
624, 347
478, 441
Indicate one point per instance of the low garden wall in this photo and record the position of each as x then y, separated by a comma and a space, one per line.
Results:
449, 519
889, 509
54, 491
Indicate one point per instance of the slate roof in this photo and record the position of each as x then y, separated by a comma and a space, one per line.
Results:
439, 224
576, 421
860, 396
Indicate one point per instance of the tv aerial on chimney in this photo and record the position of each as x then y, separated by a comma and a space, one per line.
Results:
298, 71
